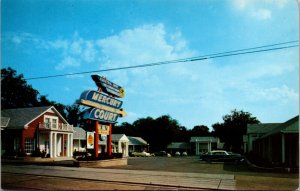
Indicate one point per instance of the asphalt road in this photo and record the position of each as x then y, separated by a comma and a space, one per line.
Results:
12, 181
151, 173
193, 164
146, 179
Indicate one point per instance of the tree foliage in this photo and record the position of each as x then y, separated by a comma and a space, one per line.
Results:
74, 114
157, 132
200, 130
232, 129
15, 92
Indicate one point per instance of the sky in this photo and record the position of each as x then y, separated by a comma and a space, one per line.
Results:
50, 37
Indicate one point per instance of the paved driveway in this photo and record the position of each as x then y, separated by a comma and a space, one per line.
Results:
193, 164
246, 178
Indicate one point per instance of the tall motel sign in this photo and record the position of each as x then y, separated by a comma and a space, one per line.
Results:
104, 110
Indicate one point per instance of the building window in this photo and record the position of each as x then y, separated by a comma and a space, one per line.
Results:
54, 123
28, 145
47, 123
51, 122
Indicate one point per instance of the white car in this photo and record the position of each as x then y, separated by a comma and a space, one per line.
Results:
177, 153
184, 154
141, 154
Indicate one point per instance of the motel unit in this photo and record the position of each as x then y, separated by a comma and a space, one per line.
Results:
26, 131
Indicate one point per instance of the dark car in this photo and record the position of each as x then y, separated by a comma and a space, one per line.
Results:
160, 153
221, 155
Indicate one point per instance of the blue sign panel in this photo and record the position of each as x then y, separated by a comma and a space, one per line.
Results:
100, 98
101, 115
108, 86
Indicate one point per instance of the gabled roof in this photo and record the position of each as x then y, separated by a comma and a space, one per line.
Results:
204, 139
21, 117
118, 137
261, 128
290, 126
178, 145
136, 141
4, 122
79, 133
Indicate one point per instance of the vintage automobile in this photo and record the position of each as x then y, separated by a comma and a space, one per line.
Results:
221, 155
141, 154
160, 153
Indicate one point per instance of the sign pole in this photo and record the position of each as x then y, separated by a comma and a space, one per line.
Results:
109, 149
96, 139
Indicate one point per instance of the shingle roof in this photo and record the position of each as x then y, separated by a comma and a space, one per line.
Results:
117, 137
4, 121
19, 117
79, 133
261, 128
292, 125
136, 141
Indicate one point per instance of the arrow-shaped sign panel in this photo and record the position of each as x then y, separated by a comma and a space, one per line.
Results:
101, 115
121, 112
101, 98
108, 86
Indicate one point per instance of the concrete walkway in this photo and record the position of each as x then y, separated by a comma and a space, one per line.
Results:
177, 179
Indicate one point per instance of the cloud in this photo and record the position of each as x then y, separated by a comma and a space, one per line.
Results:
258, 9
67, 62
209, 88
262, 14
281, 94
75, 52
142, 45
59, 44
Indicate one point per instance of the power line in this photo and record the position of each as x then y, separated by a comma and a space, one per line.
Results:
191, 59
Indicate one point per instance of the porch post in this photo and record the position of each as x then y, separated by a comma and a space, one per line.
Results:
51, 144
68, 145
282, 148
71, 145
55, 144
208, 147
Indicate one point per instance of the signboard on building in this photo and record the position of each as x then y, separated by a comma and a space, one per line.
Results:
103, 108
101, 115
99, 98
103, 129
108, 86
90, 140
92, 104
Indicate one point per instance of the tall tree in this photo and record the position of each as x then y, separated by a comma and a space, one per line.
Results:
15, 92
125, 128
200, 130
43, 101
232, 129
74, 114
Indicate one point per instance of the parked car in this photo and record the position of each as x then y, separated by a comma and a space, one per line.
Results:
177, 153
160, 153
221, 155
141, 154
184, 154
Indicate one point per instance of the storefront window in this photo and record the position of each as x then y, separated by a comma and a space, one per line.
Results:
28, 145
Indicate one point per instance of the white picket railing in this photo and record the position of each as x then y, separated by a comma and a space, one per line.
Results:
55, 126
